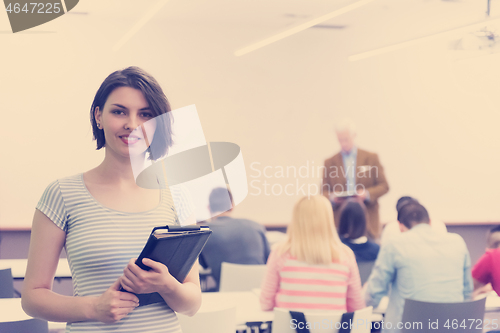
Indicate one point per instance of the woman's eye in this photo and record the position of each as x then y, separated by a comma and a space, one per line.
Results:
117, 112
147, 115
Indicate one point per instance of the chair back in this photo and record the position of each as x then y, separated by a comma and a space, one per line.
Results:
365, 269
323, 321
25, 326
6, 283
275, 237
236, 277
451, 314
216, 319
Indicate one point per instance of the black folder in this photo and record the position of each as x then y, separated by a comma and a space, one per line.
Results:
177, 248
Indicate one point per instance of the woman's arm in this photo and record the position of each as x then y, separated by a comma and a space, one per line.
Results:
183, 297
271, 283
354, 296
480, 289
38, 299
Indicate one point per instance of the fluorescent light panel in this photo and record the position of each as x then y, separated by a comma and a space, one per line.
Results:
416, 41
300, 27
142, 22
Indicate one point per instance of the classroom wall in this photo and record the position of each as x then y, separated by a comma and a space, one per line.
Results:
430, 112
15, 244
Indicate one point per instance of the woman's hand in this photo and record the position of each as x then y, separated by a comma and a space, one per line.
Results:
114, 304
139, 281
182, 297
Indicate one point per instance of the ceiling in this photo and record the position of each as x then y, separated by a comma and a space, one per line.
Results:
378, 23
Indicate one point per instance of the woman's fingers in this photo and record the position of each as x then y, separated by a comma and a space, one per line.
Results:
128, 286
154, 265
128, 296
131, 276
116, 285
130, 305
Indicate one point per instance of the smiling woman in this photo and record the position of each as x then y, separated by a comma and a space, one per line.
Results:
130, 86
102, 218
126, 109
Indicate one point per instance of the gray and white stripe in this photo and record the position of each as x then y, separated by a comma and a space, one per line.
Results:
100, 242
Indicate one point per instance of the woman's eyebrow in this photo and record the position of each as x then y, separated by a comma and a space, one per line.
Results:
119, 105
123, 107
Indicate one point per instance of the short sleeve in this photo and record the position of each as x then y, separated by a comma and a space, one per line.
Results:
354, 295
482, 269
183, 204
271, 282
52, 205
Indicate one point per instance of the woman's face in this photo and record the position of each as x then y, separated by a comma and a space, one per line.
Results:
125, 110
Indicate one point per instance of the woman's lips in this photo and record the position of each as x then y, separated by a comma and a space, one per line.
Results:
129, 140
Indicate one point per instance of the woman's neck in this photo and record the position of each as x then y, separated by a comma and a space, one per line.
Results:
116, 168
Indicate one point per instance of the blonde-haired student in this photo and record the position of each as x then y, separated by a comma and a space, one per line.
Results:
312, 269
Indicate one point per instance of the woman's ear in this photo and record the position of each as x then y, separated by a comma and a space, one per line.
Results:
97, 114
98, 117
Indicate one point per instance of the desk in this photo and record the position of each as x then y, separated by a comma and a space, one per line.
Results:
18, 267
11, 310
62, 283
246, 302
491, 311
247, 306
492, 304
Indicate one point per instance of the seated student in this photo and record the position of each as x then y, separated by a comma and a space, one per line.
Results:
391, 229
352, 231
301, 271
487, 268
421, 264
233, 240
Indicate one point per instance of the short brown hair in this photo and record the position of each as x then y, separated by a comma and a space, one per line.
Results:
139, 79
352, 219
413, 213
217, 200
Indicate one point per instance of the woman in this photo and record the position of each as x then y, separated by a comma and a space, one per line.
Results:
104, 219
352, 231
312, 269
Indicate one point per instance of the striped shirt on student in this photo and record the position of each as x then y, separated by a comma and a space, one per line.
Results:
100, 241
299, 286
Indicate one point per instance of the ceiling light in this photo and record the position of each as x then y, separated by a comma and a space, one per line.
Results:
300, 27
382, 50
139, 24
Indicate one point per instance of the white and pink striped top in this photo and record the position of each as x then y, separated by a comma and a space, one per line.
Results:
299, 286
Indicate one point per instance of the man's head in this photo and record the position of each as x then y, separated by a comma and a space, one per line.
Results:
493, 238
403, 201
412, 214
346, 133
220, 201
353, 218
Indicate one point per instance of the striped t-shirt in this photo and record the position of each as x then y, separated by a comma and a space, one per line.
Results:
296, 285
100, 241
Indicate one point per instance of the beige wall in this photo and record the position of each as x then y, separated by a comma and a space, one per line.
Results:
432, 119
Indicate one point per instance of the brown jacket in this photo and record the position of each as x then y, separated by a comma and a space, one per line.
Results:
369, 175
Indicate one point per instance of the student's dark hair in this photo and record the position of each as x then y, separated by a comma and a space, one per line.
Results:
493, 244
352, 220
218, 200
403, 201
137, 78
413, 213
495, 229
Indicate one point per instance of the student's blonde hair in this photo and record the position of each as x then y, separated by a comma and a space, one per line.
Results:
311, 236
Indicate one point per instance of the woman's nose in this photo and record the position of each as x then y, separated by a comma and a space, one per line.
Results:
132, 122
